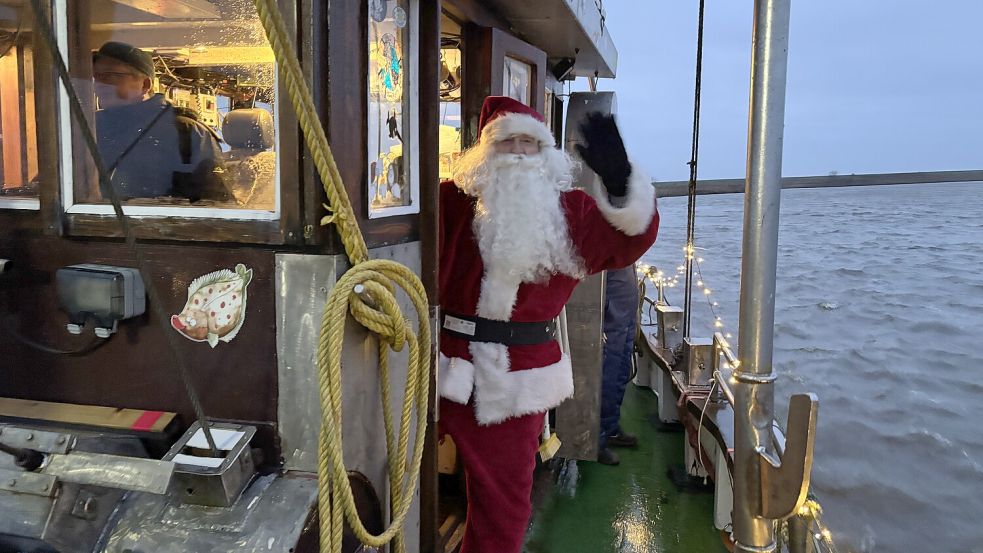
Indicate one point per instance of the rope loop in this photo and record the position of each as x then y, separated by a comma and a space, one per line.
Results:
378, 311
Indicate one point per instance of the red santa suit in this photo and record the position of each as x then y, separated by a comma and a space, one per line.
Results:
494, 396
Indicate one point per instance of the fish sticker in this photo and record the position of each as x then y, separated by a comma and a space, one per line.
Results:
216, 306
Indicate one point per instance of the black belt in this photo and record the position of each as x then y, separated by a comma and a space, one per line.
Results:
478, 329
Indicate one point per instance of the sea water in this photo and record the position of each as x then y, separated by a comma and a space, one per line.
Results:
879, 311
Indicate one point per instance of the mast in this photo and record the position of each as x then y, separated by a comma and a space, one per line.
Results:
767, 485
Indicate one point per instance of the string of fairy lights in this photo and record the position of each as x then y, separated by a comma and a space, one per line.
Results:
811, 510
663, 281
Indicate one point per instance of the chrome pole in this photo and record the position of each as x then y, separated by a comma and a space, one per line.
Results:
754, 393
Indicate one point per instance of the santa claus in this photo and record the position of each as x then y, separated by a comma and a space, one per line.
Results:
515, 239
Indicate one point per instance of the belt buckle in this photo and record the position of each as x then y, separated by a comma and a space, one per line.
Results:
459, 325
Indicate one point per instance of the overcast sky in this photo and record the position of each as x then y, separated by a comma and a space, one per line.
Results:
873, 85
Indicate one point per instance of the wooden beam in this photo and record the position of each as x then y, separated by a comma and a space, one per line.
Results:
86, 415
736, 186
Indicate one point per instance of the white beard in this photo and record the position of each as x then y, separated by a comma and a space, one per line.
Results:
519, 223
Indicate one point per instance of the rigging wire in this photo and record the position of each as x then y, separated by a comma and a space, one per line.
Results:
109, 191
693, 162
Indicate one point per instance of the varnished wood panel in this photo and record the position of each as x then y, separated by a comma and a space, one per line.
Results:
429, 59
476, 85
135, 368
485, 50
176, 228
86, 415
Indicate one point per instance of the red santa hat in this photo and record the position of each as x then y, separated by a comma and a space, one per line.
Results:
502, 117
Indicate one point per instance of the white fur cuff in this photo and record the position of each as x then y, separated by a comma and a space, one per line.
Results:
455, 379
501, 394
634, 218
513, 124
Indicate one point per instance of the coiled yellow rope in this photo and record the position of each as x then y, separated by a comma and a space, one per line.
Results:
377, 279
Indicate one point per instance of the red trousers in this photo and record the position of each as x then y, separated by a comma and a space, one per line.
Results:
499, 461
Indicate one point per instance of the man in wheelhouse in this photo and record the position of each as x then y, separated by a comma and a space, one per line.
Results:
515, 239
150, 148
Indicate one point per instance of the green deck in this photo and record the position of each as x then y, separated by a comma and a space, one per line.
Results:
632, 507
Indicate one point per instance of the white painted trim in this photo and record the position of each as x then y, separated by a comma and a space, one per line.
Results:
176, 211
67, 168
32, 204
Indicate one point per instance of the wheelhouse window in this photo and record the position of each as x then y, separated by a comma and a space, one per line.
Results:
393, 108
182, 98
451, 78
18, 129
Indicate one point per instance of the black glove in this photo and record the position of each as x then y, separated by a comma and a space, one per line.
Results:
604, 152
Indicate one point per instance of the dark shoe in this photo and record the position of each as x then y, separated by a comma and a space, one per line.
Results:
607, 457
622, 439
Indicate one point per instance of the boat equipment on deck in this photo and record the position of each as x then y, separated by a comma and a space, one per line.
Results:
376, 309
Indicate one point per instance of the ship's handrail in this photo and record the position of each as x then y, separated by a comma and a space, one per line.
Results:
805, 531
722, 347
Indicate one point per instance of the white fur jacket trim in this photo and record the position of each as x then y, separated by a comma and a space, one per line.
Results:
500, 394
635, 216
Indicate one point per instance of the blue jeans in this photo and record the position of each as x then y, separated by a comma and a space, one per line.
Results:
620, 308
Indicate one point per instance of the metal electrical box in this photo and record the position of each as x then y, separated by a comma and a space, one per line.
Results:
670, 319
103, 293
696, 356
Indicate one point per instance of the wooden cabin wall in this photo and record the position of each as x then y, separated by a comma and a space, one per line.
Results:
236, 380
135, 368
429, 191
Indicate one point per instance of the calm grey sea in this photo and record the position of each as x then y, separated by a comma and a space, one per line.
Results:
880, 312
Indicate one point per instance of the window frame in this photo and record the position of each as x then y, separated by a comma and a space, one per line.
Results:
201, 224
412, 114
485, 50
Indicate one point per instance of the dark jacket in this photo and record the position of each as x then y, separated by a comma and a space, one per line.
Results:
150, 150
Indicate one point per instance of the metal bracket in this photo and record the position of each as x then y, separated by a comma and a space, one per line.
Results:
111, 471
785, 479
86, 506
16, 481
198, 481
39, 440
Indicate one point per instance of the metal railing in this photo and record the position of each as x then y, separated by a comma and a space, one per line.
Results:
803, 532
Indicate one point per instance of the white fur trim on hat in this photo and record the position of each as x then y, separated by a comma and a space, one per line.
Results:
512, 124
639, 208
